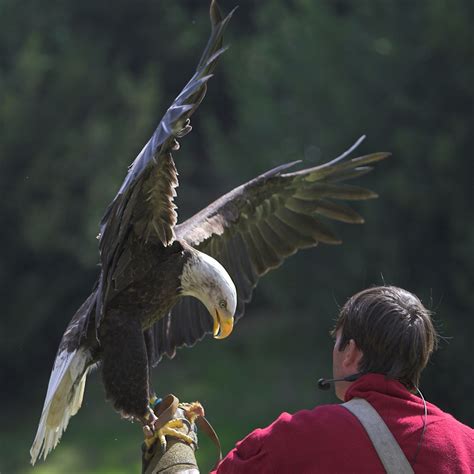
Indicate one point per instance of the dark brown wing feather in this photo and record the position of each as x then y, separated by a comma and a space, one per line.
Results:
77, 331
253, 228
144, 204
168, 333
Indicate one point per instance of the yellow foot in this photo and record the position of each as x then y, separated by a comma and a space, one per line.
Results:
171, 419
171, 429
168, 429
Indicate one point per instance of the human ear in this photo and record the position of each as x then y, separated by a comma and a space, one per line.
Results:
352, 356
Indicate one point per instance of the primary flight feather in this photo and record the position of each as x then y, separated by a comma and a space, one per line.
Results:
163, 285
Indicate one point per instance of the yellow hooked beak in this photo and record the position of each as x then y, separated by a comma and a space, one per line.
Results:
223, 325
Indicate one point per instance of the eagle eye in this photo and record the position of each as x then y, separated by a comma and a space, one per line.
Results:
223, 304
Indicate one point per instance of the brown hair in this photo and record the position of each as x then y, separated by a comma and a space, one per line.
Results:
393, 330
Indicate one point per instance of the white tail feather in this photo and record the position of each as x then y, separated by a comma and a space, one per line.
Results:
63, 400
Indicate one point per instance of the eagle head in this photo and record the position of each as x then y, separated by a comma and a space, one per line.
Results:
204, 278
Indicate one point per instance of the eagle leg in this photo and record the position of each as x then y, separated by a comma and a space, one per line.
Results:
125, 371
154, 401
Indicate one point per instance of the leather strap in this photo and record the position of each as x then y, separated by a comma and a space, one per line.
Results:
207, 428
388, 450
165, 410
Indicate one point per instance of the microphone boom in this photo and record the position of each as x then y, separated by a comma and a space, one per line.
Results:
325, 384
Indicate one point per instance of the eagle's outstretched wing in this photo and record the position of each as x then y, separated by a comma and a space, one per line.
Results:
144, 204
253, 228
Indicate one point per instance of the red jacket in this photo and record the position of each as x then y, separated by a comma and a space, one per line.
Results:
329, 439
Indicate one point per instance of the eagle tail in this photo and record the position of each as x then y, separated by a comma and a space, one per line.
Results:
63, 399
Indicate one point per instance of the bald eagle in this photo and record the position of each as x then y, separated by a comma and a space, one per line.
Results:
136, 312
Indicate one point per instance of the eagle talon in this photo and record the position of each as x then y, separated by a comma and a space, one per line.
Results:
169, 429
148, 432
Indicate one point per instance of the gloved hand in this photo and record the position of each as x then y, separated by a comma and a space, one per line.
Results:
171, 448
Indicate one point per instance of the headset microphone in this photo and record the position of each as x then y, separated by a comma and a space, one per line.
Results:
325, 384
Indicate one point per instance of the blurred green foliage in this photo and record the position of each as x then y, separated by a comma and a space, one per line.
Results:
83, 84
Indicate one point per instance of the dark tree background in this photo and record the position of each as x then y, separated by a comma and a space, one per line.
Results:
83, 84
